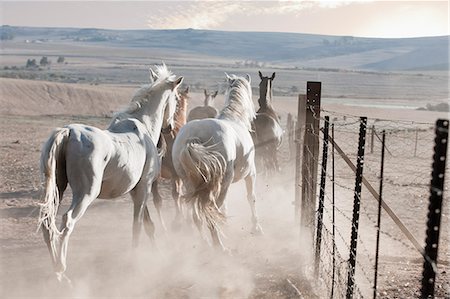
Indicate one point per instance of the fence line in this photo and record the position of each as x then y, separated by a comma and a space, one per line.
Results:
407, 141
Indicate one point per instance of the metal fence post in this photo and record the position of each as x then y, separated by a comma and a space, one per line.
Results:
372, 139
380, 199
323, 177
356, 207
333, 214
435, 209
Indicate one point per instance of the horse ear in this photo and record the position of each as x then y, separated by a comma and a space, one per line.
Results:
273, 76
187, 90
153, 76
260, 74
228, 77
215, 94
249, 79
177, 83
205, 92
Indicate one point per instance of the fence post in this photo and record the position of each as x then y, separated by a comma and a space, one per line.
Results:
333, 214
356, 207
435, 209
372, 138
299, 140
380, 199
290, 130
415, 144
310, 158
323, 177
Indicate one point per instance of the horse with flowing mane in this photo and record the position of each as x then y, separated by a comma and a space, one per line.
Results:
268, 131
210, 154
167, 169
106, 163
205, 111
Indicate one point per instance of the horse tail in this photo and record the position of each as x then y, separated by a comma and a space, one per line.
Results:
205, 168
51, 152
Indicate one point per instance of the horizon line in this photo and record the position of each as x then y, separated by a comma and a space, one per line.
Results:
218, 30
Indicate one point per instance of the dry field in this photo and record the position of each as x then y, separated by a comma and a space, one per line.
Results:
101, 262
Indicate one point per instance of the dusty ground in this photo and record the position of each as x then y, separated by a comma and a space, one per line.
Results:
101, 262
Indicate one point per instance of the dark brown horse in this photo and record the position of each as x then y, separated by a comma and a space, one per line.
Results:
167, 171
268, 132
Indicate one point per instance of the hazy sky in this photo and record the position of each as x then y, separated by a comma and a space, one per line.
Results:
377, 18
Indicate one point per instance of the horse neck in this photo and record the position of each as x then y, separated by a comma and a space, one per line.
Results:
265, 95
236, 111
151, 115
180, 114
208, 100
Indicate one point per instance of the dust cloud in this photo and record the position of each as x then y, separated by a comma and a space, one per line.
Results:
101, 262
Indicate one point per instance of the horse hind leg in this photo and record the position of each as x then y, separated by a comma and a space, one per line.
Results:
70, 218
176, 191
251, 197
157, 201
141, 215
149, 226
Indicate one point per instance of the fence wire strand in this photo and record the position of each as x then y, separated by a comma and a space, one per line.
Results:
409, 148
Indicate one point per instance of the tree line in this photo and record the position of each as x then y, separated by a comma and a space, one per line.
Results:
44, 61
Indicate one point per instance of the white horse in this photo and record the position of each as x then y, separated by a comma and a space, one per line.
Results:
106, 163
210, 154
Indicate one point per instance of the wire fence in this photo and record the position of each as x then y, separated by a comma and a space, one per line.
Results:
406, 191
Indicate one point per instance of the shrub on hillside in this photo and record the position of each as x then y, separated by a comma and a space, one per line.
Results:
31, 63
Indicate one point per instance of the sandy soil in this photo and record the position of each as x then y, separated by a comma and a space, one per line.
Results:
101, 262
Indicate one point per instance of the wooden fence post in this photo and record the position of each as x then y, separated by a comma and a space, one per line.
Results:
310, 158
299, 138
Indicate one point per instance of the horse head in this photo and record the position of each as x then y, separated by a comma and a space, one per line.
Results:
171, 106
265, 90
209, 97
163, 89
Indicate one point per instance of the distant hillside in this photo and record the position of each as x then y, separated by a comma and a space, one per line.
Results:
25, 97
301, 50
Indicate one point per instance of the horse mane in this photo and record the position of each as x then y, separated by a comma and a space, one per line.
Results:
140, 97
163, 74
238, 102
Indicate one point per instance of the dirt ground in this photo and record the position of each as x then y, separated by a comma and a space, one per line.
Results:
101, 262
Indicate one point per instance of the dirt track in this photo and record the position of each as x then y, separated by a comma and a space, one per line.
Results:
100, 260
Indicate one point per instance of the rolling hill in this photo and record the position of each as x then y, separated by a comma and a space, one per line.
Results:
297, 50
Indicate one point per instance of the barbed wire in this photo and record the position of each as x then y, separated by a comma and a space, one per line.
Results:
409, 143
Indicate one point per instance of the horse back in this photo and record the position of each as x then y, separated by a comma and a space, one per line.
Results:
267, 129
202, 112
116, 158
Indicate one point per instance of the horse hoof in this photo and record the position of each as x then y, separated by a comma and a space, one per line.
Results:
63, 279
